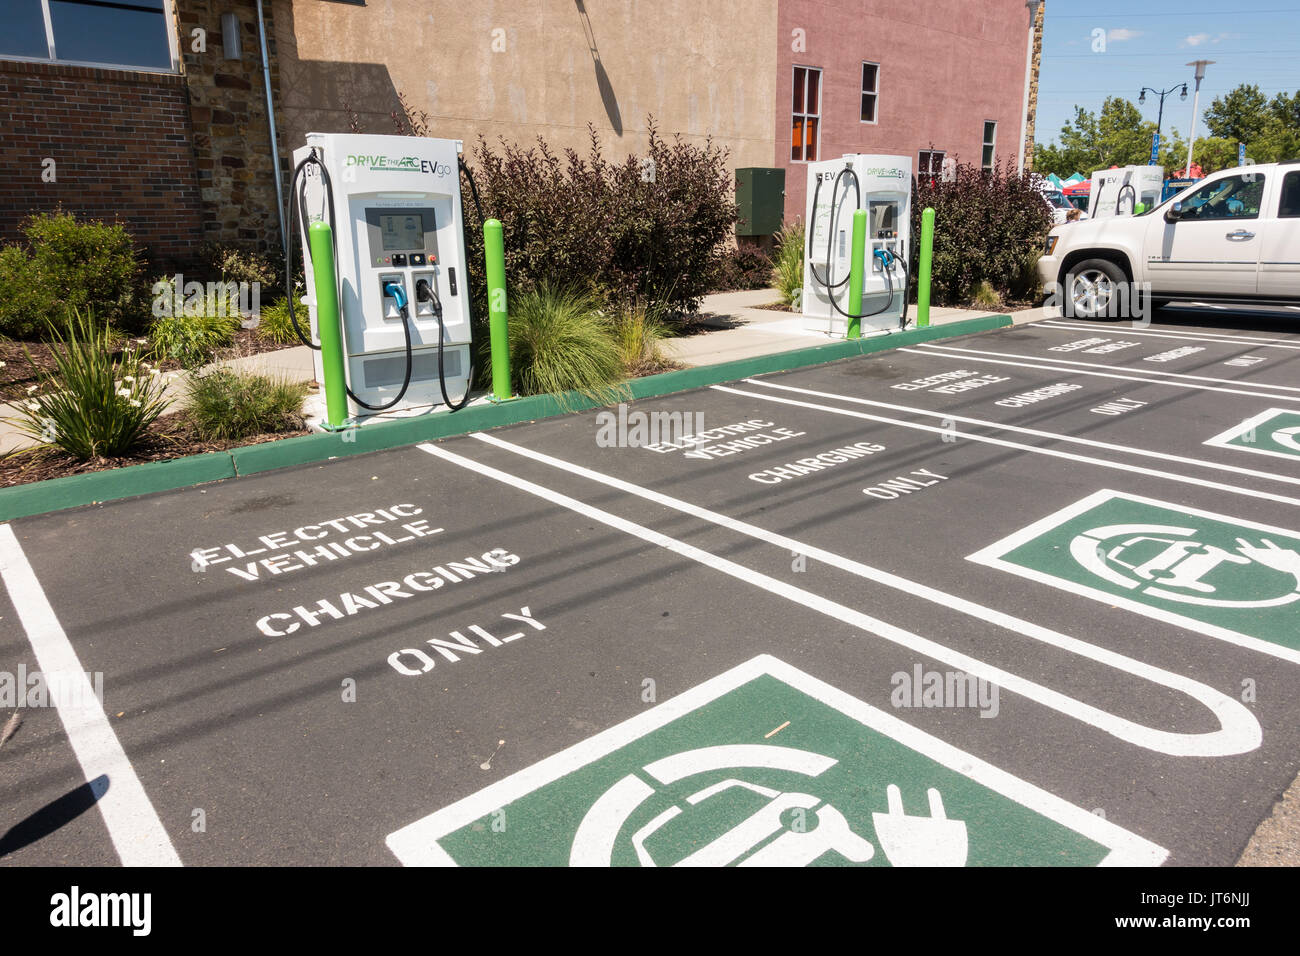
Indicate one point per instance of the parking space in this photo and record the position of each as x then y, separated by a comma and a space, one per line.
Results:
1023, 597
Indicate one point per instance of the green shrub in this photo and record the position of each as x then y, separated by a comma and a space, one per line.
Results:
984, 223
743, 268
638, 329
787, 271
67, 265
227, 405
560, 342
651, 226
190, 330
233, 263
94, 403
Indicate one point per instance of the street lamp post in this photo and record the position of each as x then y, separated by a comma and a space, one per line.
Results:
1160, 115
1200, 66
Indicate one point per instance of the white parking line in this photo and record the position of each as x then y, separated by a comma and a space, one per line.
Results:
1170, 334
1055, 436
927, 346
1080, 371
138, 835
1239, 729
1033, 449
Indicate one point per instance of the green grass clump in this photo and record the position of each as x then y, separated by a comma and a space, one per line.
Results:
227, 405
787, 269
638, 329
274, 324
191, 329
96, 402
560, 342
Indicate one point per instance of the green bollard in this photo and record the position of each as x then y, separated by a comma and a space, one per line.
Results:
857, 270
321, 242
923, 274
494, 252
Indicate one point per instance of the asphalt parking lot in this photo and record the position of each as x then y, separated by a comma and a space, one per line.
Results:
1026, 597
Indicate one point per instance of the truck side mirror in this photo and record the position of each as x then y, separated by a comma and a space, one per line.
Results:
1174, 213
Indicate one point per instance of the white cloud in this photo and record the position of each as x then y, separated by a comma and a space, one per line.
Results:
1201, 39
1123, 33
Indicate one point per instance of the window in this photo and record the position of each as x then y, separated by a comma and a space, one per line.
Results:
805, 125
135, 34
931, 163
1236, 197
990, 143
870, 91
1290, 207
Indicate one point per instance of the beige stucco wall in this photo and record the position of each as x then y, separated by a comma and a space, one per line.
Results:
522, 69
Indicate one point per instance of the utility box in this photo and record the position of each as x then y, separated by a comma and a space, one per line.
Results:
760, 200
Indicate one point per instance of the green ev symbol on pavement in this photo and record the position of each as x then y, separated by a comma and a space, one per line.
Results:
765, 765
1274, 431
1226, 577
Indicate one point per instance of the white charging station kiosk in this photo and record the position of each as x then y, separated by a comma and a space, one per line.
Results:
397, 221
884, 190
1117, 192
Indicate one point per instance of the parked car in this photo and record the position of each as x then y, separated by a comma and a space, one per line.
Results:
1231, 237
1062, 209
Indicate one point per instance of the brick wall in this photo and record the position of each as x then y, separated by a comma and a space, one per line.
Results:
1033, 88
120, 142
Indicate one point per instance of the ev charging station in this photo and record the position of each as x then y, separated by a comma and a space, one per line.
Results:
403, 298
882, 187
1117, 192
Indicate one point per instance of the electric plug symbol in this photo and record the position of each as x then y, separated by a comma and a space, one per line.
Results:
920, 841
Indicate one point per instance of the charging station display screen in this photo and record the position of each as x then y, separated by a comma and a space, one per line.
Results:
884, 218
401, 232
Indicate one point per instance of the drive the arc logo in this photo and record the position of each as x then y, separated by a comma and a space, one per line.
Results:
411, 164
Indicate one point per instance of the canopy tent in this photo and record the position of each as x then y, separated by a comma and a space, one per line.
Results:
1082, 188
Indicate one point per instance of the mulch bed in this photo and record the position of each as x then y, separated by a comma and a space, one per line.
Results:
168, 437
19, 372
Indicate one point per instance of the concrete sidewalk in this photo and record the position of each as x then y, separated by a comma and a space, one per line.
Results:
740, 328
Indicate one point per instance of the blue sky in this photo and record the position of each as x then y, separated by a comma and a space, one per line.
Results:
1147, 44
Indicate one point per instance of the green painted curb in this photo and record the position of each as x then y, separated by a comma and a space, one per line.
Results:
59, 493
55, 494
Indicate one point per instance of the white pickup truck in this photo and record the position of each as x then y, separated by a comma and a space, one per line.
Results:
1232, 237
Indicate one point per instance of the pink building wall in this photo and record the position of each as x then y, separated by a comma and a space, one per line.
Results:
946, 66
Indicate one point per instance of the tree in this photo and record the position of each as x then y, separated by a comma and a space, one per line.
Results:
1116, 137
1242, 114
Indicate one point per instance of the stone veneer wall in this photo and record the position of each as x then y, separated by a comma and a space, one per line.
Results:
232, 141
1033, 88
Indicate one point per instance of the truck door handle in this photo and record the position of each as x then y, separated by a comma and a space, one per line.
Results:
1240, 234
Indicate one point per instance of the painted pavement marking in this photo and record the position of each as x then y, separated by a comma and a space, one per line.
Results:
1279, 438
138, 835
1171, 334
1019, 446
1059, 369
690, 783
1239, 730
1228, 578
1056, 436
950, 349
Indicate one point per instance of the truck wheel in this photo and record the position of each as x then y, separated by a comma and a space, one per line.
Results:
1096, 289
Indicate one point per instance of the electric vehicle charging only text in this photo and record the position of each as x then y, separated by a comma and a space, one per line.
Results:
394, 205
882, 186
